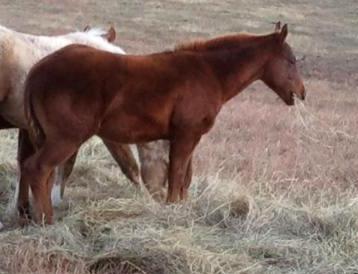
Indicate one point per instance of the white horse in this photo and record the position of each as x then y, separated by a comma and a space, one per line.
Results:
18, 53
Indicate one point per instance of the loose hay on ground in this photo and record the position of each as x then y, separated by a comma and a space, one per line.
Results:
136, 235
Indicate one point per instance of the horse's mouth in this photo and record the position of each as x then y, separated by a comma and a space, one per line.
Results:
290, 99
290, 96
301, 93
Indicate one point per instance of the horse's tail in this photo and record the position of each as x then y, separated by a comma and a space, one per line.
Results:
34, 128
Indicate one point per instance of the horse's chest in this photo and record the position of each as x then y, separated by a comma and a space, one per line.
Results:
196, 113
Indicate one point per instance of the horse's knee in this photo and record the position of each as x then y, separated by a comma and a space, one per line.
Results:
32, 171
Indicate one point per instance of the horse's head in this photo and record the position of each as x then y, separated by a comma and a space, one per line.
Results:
96, 37
109, 35
281, 73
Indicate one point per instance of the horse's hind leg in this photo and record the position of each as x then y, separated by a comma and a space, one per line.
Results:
187, 180
5, 124
123, 155
36, 171
58, 179
61, 175
25, 150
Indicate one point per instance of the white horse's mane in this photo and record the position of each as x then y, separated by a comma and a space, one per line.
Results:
95, 31
94, 37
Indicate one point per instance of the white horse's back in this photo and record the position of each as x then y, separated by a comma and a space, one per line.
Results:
20, 51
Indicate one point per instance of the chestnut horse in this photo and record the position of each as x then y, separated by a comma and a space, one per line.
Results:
78, 92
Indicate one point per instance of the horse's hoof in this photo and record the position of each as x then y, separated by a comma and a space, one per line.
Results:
44, 220
25, 214
159, 196
184, 195
49, 221
172, 200
24, 221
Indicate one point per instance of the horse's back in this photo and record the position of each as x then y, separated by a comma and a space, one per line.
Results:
70, 84
72, 67
120, 88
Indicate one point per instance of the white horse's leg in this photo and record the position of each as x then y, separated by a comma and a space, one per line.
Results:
11, 209
135, 153
153, 159
58, 178
25, 149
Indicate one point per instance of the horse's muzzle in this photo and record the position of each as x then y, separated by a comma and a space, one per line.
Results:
301, 94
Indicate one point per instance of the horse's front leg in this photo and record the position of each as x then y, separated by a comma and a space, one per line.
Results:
181, 149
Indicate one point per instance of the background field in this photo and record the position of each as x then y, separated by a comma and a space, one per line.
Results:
275, 188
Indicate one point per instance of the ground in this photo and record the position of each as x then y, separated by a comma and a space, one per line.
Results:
275, 187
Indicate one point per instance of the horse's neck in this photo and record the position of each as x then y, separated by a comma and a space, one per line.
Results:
236, 69
94, 41
4, 29
44, 45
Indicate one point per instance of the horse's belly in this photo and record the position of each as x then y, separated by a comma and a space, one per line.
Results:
133, 130
13, 112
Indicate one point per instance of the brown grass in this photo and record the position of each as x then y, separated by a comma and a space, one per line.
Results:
275, 188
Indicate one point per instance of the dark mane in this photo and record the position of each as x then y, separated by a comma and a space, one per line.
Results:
223, 42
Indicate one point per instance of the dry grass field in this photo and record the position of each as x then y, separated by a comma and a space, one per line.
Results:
275, 187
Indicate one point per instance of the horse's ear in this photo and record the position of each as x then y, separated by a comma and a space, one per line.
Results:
277, 26
87, 28
110, 36
283, 34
